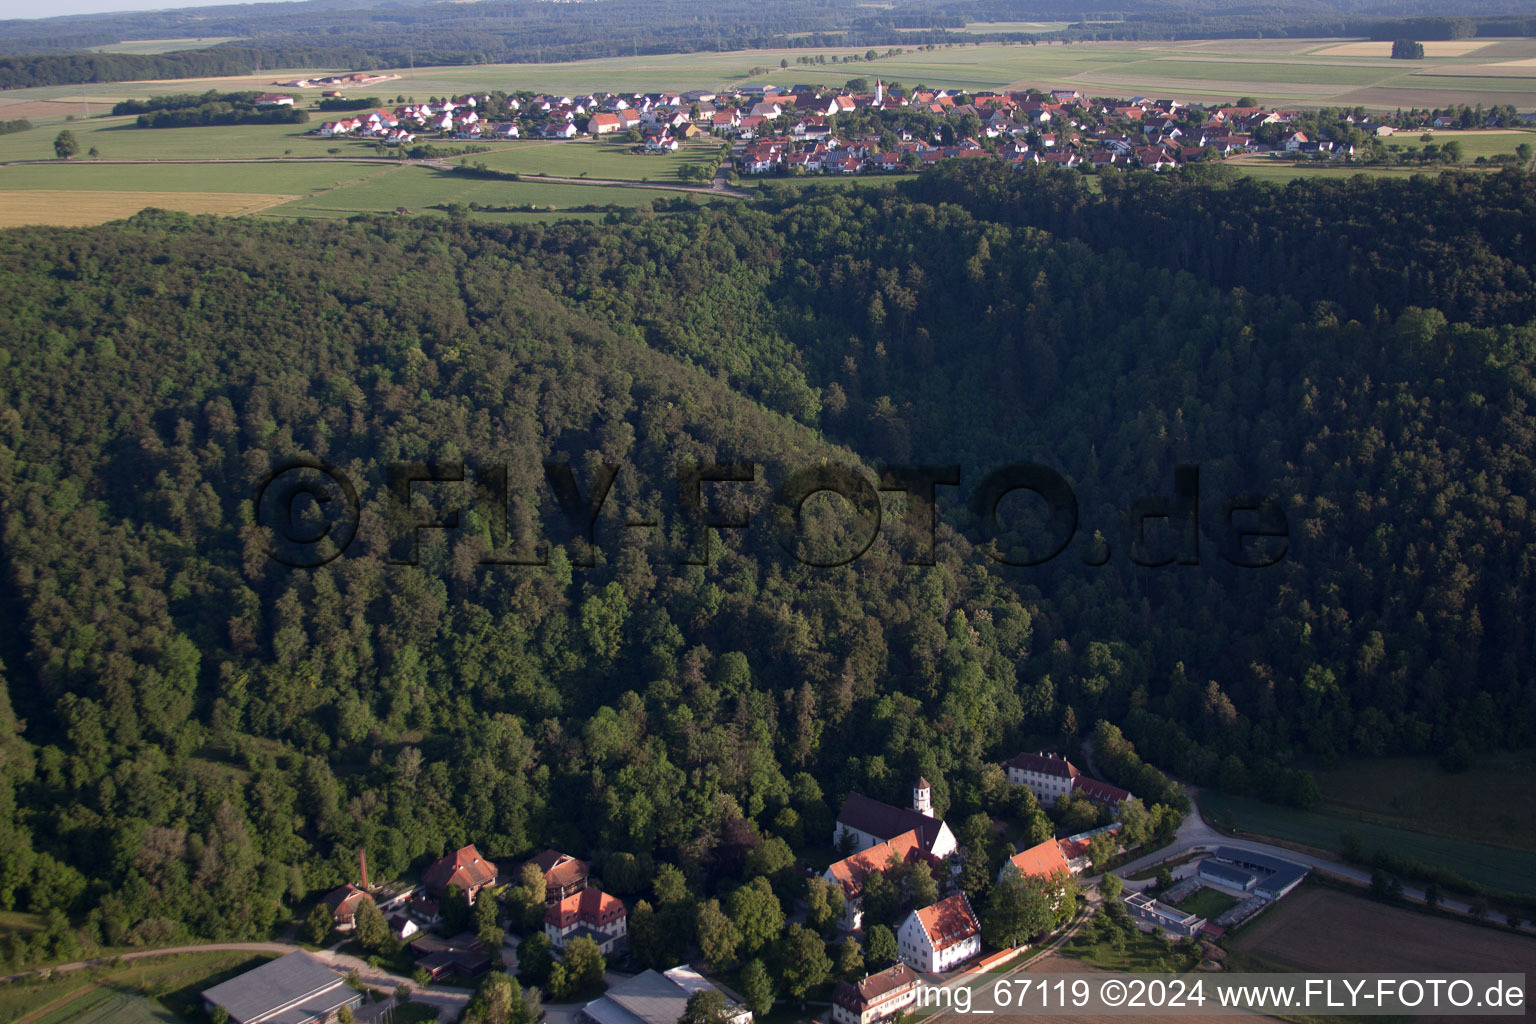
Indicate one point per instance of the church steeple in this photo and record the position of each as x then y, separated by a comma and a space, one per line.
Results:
922, 797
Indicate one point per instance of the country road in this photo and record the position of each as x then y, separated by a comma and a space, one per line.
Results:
1195, 835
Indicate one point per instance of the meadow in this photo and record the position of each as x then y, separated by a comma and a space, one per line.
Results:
595, 159
1497, 867
118, 138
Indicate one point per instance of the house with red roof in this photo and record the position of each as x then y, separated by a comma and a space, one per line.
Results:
564, 875
344, 903
604, 123
850, 872
464, 868
1041, 860
940, 937
590, 912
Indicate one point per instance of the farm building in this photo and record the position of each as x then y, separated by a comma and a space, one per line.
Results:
1273, 876
1228, 875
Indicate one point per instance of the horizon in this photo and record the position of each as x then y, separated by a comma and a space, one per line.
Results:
10, 9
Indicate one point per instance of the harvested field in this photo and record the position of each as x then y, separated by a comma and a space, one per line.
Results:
1317, 929
1383, 48
71, 208
45, 110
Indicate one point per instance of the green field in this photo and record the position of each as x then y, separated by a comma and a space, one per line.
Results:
1278, 71
118, 139
155, 989
421, 189
590, 158
1493, 866
1496, 801
1208, 903
1473, 144
150, 46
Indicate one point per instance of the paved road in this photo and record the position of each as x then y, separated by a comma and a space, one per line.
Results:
1194, 835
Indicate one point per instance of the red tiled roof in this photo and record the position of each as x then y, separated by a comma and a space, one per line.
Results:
949, 921
851, 871
1102, 792
464, 868
1042, 859
345, 900
590, 906
560, 869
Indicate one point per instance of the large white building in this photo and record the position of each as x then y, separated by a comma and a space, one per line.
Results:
940, 937
1051, 776
870, 823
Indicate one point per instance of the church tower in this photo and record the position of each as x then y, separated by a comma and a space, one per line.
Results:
922, 797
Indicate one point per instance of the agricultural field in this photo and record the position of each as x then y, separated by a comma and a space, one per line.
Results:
76, 194
69, 208
1319, 929
151, 46
590, 158
1493, 866
1485, 142
1415, 793
1055, 963
118, 138
424, 190
155, 989
1311, 71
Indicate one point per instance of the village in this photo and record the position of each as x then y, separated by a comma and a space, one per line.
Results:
810, 130
448, 925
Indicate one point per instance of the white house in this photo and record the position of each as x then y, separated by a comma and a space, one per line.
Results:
1050, 776
940, 937
588, 912
870, 822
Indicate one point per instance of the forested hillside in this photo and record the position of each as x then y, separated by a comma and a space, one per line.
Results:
209, 736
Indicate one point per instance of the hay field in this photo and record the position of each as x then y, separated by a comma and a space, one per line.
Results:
1383, 48
73, 208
